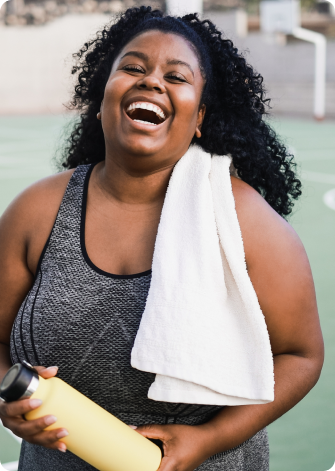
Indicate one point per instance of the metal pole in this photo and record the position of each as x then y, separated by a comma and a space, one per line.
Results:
10, 8
320, 68
14, 7
182, 7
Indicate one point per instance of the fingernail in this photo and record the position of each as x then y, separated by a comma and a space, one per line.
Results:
134, 427
62, 434
51, 419
62, 448
50, 367
34, 403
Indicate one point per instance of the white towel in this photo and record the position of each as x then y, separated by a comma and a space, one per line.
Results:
202, 331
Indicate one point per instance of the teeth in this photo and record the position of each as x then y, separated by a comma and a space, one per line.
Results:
147, 106
145, 122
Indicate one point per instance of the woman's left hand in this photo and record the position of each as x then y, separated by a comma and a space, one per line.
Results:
185, 447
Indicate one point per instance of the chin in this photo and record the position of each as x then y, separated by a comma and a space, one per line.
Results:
143, 149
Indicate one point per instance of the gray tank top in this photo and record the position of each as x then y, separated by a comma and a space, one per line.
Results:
84, 320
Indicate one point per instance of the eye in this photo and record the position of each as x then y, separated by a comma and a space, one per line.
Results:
133, 68
177, 77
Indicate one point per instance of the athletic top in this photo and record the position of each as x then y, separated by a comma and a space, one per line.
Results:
84, 320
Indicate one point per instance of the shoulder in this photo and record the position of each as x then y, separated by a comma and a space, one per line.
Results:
266, 235
279, 270
40, 199
27, 222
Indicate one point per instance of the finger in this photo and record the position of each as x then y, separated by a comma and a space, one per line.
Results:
167, 464
31, 427
19, 408
157, 432
34, 431
46, 372
48, 438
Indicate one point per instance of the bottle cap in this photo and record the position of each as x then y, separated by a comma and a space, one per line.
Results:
20, 381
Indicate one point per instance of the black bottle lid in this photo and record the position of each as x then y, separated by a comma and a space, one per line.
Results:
19, 382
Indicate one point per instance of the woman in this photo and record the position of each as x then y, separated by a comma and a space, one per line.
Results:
77, 247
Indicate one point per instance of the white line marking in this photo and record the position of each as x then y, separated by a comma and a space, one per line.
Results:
329, 200
18, 439
318, 177
12, 466
41, 172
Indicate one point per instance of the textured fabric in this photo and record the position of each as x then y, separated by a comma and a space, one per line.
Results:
85, 321
252, 455
202, 307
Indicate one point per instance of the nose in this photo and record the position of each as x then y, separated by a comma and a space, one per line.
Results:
151, 82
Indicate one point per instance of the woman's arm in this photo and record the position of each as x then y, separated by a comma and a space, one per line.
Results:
281, 275
24, 229
15, 277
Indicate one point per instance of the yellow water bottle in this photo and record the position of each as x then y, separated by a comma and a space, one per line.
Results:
116, 447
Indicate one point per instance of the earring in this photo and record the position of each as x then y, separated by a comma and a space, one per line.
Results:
99, 115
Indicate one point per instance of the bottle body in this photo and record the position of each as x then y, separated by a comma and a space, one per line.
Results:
96, 436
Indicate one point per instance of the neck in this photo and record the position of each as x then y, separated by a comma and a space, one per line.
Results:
132, 185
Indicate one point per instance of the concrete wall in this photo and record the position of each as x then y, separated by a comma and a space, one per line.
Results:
287, 69
35, 65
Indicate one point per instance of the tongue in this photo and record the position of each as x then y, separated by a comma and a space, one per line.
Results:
144, 116
146, 122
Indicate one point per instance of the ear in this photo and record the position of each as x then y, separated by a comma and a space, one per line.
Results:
201, 115
99, 113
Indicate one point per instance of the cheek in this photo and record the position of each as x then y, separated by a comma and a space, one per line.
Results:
186, 105
115, 89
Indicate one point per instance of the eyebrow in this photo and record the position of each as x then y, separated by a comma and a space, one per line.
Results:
142, 55
138, 54
178, 62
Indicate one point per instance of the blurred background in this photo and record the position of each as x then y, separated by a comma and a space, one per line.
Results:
37, 40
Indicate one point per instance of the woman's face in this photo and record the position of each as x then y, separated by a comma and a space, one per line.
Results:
152, 98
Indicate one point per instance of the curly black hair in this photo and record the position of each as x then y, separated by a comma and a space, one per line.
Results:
234, 96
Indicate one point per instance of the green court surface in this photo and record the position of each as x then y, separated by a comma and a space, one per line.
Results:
304, 439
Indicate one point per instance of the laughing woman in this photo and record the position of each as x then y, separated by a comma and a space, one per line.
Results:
128, 271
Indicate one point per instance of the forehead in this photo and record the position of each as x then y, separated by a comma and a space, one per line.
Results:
161, 45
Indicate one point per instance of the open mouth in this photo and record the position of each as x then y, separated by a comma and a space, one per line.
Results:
147, 113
